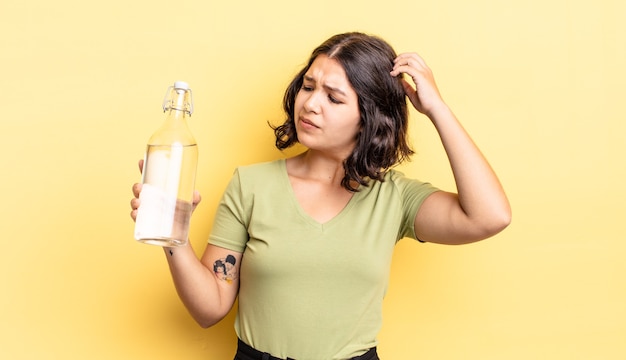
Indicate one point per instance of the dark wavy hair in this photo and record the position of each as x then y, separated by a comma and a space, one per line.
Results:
382, 140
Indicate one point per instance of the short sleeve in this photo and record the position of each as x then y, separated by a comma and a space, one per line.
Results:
231, 219
412, 193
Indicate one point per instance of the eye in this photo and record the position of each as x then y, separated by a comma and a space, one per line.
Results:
306, 88
334, 100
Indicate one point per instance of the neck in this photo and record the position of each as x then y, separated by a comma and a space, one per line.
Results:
319, 167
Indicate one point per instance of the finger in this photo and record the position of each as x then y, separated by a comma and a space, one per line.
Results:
140, 163
137, 189
406, 61
134, 203
411, 94
404, 57
405, 69
196, 197
409, 66
133, 215
408, 89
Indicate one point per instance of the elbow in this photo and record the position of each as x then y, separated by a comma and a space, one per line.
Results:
501, 224
506, 215
206, 325
485, 226
207, 322
497, 222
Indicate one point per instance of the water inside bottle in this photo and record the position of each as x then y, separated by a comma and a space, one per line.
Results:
167, 194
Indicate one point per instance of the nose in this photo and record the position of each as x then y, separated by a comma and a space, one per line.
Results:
311, 102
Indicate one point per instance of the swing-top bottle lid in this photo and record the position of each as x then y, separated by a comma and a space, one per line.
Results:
181, 85
178, 97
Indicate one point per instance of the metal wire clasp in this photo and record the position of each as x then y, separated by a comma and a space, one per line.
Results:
174, 100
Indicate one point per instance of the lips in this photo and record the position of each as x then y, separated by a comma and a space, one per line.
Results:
308, 123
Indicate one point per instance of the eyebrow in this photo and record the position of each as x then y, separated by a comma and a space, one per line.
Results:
328, 87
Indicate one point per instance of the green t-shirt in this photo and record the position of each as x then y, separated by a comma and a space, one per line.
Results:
312, 291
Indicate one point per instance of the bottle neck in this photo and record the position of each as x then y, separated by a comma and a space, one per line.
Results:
175, 115
178, 103
177, 106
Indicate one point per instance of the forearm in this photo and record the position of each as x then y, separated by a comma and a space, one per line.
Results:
196, 286
480, 194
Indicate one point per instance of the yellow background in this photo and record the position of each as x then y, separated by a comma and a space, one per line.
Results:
538, 83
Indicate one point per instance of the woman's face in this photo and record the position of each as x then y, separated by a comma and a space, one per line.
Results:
326, 110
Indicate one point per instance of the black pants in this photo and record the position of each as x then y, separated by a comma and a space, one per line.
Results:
246, 352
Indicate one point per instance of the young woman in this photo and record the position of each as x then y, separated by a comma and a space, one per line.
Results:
309, 239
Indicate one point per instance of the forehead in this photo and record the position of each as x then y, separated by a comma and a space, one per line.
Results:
330, 74
326, 68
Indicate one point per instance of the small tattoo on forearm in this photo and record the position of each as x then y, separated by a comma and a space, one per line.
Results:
171, 252
225, 268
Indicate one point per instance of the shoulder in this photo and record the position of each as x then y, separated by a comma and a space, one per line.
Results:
269, 168
398, 180
406, 188
260, 175
248, 182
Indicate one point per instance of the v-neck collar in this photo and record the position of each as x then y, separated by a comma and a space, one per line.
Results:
298, 208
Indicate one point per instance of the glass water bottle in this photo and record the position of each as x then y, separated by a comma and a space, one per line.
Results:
168, 175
